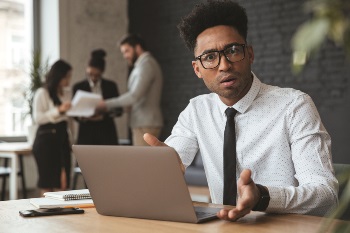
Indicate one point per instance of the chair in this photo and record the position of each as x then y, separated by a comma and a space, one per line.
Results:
5, 173
340, 169
77, 173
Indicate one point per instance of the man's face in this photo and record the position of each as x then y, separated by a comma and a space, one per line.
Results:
129, 53
231, 81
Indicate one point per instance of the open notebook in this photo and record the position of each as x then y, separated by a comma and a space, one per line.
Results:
69, 195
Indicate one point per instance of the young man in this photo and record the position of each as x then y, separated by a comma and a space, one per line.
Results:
144, 90
282, 157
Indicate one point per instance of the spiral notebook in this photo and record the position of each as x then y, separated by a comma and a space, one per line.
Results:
79, 194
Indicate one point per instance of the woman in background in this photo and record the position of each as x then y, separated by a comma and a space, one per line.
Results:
51, 146
98, 129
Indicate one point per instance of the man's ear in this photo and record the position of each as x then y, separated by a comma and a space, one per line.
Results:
196, 69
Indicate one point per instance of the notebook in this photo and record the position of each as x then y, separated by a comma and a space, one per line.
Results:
44, 202
138, 182
69, 195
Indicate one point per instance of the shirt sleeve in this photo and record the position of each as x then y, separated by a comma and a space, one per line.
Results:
310, 144
43, 112
182, 137
144, 78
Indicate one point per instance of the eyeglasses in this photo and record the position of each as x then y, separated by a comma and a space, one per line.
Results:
233, 53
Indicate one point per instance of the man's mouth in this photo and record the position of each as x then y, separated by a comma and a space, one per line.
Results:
229, 81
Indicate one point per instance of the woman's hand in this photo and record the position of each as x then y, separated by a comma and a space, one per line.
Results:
64, 107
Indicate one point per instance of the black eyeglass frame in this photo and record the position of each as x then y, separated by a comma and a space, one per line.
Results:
221, 52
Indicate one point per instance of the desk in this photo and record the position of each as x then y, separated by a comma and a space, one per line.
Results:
12, 151
91, 221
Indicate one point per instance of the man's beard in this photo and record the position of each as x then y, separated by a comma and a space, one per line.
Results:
133, 59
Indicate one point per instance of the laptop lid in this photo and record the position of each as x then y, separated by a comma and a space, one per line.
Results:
137, 182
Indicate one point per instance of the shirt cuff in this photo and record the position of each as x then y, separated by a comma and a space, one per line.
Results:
277, 199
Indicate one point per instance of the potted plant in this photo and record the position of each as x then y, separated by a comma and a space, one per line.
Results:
36, 75
330, 20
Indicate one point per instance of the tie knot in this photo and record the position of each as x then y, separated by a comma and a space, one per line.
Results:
230, 112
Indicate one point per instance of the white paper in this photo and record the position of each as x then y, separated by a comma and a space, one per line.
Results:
84, 104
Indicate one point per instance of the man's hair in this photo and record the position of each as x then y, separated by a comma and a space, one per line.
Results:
211, 14
133, 40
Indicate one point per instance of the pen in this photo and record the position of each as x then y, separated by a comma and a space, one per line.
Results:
81, 206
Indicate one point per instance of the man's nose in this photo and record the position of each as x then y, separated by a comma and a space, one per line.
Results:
224, 63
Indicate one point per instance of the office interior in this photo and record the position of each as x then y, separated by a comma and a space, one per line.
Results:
72, 29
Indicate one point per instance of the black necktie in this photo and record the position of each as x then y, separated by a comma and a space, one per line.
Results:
230, 183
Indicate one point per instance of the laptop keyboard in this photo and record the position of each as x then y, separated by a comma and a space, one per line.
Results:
205, 212
201, 215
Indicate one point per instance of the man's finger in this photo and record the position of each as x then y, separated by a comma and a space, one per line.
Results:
152, 140
245, 177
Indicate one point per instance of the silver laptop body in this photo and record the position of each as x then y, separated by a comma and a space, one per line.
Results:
138, 182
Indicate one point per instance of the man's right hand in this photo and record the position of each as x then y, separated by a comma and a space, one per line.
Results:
153, 141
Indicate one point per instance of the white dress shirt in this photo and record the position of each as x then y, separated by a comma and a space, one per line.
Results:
279, 136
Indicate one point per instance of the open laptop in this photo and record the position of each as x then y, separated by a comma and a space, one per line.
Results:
138, 182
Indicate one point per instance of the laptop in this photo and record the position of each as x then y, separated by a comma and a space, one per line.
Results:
139, 182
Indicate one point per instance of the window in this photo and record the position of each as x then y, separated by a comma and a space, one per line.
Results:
16, 26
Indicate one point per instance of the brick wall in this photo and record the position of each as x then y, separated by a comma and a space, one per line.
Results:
271, 26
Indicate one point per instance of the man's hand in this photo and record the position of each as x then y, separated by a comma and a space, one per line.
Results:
100, 108
153, 141
248, 197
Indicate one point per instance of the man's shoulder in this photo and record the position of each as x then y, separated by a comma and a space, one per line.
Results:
280, 92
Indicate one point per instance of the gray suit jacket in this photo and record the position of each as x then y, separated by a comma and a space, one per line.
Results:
144, 93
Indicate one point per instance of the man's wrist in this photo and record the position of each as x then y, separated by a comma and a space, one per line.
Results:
264, 198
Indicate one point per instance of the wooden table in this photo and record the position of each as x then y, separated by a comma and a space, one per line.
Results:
91, 221
13, 151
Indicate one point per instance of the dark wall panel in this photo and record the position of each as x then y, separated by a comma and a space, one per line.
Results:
271, 26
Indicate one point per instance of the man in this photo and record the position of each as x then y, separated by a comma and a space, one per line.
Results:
144, 90
282, 160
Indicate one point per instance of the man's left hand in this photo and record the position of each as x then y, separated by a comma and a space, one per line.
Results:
248, 197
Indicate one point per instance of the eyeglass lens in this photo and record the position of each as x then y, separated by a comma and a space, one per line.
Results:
233, 53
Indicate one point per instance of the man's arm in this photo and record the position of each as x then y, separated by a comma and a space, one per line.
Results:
139, 87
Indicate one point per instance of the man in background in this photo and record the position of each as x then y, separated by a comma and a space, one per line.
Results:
144, 90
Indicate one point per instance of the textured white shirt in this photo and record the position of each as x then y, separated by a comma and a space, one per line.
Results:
279, 136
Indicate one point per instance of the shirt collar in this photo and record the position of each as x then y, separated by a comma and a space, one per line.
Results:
243, 104
140, 58
93, 85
